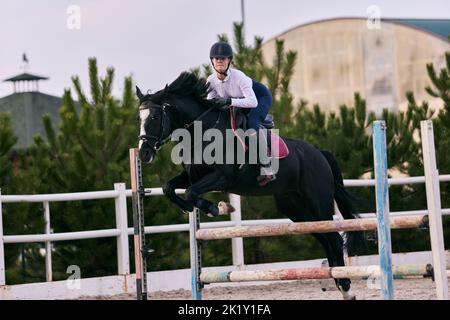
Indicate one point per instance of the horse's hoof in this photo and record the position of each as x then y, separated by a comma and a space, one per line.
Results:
347, 295
225, 208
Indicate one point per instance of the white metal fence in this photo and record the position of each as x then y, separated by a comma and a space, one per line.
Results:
122, 231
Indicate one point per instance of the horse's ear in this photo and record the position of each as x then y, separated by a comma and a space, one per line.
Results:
139, 93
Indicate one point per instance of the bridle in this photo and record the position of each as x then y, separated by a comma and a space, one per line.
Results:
160, 140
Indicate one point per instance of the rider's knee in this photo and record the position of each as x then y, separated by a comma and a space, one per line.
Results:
253, 124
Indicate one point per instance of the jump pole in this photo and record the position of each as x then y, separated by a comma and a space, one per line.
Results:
434, 209
382, 209
309, 227
200, 278
353, 272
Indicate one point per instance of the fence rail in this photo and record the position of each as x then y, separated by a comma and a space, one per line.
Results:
122, 231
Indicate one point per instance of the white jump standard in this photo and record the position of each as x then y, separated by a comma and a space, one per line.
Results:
141, 250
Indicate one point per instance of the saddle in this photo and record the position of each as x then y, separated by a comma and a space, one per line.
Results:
277, 145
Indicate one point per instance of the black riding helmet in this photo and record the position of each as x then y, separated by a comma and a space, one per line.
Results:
221, 49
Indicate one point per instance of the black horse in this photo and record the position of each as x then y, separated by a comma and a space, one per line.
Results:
308, 180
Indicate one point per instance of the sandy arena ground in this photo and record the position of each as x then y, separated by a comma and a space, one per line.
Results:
405, 289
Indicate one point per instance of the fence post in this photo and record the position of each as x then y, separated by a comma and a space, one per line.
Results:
48, 244
2, 248
434, 209
237, 244
123, 256
382, 206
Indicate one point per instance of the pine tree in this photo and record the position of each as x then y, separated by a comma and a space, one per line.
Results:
88, 152
441, 89
18, 218
7, 141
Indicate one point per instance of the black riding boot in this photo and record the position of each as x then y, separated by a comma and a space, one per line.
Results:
266, 174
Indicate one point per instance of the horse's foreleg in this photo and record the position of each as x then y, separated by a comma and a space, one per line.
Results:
211, 182
180, 181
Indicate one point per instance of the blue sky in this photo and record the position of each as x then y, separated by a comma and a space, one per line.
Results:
155, 40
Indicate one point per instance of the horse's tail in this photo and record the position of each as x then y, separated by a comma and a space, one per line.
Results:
355, 240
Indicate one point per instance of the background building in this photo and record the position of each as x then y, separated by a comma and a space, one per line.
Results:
27, 105
338, 57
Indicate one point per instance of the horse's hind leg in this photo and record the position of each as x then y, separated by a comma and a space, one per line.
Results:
298, 209
336, 244
324, 241
332, 243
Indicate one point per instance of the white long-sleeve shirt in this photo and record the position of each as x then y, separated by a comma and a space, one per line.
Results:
236, 86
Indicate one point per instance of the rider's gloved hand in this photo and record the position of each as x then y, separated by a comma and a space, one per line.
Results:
222, 103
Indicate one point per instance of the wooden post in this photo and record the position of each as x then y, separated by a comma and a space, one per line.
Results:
123, 258
2, 247
48, 244
237, 244
434, 209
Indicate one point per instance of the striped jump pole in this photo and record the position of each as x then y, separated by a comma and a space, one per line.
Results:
434, 209
382, 209
309, 227
354, 272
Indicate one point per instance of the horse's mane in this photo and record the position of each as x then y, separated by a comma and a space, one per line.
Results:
186, 85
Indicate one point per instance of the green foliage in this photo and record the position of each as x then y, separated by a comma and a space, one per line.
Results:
7, 141
21, 218
89, 151
441, 88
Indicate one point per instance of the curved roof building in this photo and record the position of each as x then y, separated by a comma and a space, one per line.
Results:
338, 57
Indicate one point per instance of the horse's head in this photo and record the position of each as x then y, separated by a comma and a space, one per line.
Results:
178, 105
155, 126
